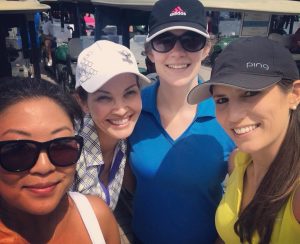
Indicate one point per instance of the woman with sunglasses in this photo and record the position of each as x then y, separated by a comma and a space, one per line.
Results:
108, 86
38, 153
257, 101
178, 151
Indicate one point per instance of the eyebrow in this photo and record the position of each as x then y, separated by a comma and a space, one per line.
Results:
129, 87
61, 129
218, 95
23, 133
12, 131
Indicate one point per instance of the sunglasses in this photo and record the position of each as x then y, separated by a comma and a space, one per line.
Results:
190, 41
21, 155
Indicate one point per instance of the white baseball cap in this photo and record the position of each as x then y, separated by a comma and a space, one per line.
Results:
102, 61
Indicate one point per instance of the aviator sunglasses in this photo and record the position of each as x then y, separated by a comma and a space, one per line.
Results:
190, 41
21, 155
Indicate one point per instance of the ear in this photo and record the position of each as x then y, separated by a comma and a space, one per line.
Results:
206, 49
294, 99
83, 104
150, 56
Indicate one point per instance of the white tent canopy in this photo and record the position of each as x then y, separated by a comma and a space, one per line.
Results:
21, 6
268, 6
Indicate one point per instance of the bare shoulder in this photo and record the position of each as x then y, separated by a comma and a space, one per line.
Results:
99, 206
106, 219
296, 204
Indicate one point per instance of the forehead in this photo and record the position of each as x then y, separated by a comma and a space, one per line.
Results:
38, 117
32, 107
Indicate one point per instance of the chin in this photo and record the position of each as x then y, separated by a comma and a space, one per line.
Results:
248, 148
121, 135
41, 208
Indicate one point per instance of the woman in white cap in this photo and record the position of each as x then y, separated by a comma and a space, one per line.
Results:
108, 86
178, 151
256, 87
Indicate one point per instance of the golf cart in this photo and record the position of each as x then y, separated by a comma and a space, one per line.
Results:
18, 37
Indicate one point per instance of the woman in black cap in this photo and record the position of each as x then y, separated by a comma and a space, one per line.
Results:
256, 87
178, 151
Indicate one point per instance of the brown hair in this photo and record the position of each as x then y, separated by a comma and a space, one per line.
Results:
277, 185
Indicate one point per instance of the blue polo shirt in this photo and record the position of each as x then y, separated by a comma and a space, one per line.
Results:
178, 181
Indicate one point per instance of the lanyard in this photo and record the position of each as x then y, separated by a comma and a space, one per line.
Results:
113, 171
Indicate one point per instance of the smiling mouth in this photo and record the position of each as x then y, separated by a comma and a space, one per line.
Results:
42, 188
119, 122
178, 66
245, 130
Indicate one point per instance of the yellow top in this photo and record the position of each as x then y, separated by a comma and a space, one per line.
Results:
286, 228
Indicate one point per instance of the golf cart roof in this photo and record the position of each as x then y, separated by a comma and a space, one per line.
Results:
268, 6
21, 6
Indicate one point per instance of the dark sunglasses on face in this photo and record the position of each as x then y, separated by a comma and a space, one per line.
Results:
21, 155
190, 41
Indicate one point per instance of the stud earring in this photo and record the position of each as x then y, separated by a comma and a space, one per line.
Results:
295, 107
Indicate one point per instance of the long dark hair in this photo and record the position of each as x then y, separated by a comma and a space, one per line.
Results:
277, 185
15, 89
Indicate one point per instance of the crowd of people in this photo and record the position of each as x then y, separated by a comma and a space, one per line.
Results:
64, 158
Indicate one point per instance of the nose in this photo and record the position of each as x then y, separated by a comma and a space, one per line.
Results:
236, 112
43, 166
177, 48
120, 107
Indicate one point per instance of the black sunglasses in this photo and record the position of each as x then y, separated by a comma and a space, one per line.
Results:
190, 41
21, 155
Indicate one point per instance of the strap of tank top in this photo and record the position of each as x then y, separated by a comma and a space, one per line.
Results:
88, 217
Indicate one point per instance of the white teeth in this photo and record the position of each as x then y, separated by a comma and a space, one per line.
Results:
177, 66
244, 130
120, 121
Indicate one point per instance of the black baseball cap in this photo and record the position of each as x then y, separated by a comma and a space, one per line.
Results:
249, 63
169, 15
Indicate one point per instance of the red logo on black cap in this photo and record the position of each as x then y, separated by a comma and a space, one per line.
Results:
177, 11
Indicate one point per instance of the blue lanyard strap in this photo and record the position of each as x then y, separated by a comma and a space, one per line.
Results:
113, 171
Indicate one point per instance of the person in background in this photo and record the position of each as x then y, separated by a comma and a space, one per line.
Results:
38, 153
35, 54
295, 42
48, 36
178, 152
257, 102
108, 87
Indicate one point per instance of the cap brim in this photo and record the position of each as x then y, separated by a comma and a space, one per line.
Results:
143, 80
241, 81
91, 88
179, 26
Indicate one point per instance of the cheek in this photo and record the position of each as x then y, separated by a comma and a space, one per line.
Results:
69, 173
136, 104
9, 178
220, 117
10, 183
197, 58
98, 112
158, 60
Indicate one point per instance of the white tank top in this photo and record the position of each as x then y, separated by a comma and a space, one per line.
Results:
88, 217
